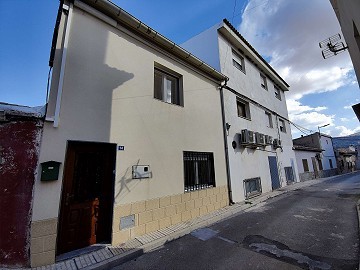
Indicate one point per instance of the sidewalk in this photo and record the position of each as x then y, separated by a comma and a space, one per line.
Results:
110, 256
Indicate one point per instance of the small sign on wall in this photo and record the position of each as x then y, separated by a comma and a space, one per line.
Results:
121, 147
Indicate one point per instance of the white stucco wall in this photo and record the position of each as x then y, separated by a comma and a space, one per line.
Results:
328, 153
348, 15
205, 46
300, 155
108, 97
245, 162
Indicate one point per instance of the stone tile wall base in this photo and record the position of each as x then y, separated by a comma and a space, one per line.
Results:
163, 212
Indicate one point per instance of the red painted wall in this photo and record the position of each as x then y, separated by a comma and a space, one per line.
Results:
19, 142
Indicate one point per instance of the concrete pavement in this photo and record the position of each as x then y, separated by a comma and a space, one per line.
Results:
110, 256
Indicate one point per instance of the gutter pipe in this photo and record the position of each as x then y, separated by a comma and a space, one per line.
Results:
226, 148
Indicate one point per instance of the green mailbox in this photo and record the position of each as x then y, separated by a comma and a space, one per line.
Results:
50, 170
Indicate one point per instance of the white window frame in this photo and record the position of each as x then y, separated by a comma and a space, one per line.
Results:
263, 81
269, 119
282, 125
246, 108
171, 84
277, 92
238, 61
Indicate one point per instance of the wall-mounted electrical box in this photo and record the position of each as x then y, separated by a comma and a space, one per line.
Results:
141, 171
50, 170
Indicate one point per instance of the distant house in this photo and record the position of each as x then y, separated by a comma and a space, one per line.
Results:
20, 134
347, 152
325, 162
133, 129
259, 142
347, 159
308, 162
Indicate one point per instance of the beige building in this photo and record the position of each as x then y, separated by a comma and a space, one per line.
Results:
134, 125
348, 14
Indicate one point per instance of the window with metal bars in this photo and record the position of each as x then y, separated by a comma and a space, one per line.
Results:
199, 172
252, 187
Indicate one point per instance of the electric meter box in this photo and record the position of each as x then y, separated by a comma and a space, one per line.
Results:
141, 171
50, 170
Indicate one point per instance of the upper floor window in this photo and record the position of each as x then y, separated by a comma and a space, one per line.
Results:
243, 108
238, 61
282, 125
263, 81
168, 86
269, 119
277, 92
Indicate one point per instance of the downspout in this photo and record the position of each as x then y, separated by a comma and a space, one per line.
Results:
62, 68
226, 148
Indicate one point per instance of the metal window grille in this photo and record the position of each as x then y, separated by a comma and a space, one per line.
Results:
252, 187
289, 174
199, 172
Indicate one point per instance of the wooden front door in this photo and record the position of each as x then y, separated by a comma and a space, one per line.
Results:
87, 196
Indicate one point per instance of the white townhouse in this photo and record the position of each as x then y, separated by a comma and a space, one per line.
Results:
133, 140
324, 164
259, 143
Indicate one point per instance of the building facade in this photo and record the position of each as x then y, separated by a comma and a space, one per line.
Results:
308, 161
259, 143
326, 161
347, 13
134, 130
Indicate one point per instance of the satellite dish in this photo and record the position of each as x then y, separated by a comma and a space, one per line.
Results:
332, 46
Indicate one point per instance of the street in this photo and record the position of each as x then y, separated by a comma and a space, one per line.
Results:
315, 227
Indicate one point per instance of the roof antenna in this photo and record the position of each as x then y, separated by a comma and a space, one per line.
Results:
332, 46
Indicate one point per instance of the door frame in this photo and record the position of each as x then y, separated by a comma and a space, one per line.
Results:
73, 144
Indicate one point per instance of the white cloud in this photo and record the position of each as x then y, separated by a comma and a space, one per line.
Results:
342, 119
295, 107
288, 32
344, 131
347, 107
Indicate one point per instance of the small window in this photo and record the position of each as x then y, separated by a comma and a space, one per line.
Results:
199, 172
252, 187
277, 92
269, 119
263, 81
282, 125
320, 165
331, 164
305, 165
168, 87
243, 108
238, 61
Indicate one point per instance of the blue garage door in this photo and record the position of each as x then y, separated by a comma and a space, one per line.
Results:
275, 181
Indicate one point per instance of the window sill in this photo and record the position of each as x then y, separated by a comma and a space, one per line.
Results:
243, 117
181, 106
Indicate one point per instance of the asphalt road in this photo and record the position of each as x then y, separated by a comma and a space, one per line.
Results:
310, 228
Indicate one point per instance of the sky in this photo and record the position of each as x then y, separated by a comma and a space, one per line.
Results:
284, 32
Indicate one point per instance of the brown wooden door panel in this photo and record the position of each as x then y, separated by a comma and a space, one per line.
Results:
87, 196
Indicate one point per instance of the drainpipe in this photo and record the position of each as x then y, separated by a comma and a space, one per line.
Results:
225, 142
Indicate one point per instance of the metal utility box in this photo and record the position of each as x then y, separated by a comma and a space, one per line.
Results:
50, 170
141, 171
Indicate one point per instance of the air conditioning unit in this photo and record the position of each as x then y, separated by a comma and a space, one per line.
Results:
276, 143
318, 156
247, 137
268, 140
251, 137
259, 138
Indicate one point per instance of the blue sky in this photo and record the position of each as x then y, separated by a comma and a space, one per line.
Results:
285, 32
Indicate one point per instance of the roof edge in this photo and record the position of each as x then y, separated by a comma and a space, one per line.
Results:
254, 51
126, 19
